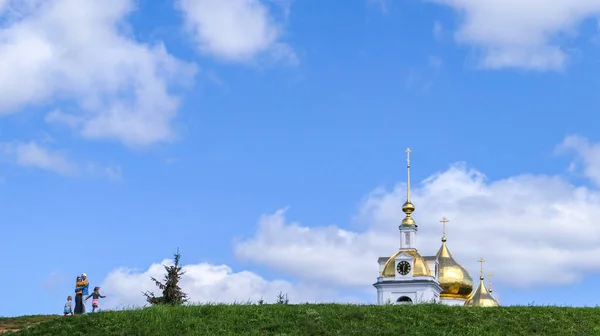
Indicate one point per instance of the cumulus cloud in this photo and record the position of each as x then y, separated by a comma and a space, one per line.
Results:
33, 155
520, 34
81, 52
525, 226
235, 30
204, 283
587, 153
54, 281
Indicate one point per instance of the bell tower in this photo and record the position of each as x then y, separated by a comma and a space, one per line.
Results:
405, 277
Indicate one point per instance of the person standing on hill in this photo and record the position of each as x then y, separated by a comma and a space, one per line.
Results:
68, 306
78, 296
83, 287
95, 297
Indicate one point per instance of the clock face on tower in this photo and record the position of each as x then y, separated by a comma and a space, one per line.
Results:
403, 267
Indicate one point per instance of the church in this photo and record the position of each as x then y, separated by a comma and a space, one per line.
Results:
407, 277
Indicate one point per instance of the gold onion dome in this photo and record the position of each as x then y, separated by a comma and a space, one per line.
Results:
455, 280
453, 277
481, 297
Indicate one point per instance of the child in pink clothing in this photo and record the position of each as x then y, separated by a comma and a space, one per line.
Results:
95, 297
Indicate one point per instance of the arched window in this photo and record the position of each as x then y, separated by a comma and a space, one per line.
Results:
404, 300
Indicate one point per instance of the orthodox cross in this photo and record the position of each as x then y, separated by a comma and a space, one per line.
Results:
481, 261
444, 221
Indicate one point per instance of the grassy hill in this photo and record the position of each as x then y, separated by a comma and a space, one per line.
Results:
318, 319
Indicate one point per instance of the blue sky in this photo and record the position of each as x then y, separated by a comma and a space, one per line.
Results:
113, 154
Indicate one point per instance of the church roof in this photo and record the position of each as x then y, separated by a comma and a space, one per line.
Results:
481, 297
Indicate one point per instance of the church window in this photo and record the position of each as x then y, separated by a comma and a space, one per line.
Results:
404, 300
407, 239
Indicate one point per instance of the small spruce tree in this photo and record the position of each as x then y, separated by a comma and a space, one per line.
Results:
171, 292
282, 298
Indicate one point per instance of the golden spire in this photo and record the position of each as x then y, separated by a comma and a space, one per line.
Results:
444, 221
481, 261
481, 297
490, 275
408, 179
408, 207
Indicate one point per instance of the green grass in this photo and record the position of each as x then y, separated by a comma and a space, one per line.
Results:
325, 319
16, 323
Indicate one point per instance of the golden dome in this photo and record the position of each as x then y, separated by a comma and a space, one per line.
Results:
454, 279
481, 297
420, 267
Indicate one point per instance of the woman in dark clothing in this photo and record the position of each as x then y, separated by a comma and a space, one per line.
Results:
78, 296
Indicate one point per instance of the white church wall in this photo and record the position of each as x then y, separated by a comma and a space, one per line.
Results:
432, 267
418, 292
382, 261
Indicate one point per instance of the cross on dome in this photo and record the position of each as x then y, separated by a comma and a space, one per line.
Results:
481, 261
444, 221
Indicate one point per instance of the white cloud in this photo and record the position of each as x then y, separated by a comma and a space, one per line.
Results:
587, 152
113, 173
80, 52
31, 154
54, 281
527, 227
235, 30
521, 34
205, 283
58, 117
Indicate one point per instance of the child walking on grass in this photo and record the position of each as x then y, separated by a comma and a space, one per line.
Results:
95, 296
69, 306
